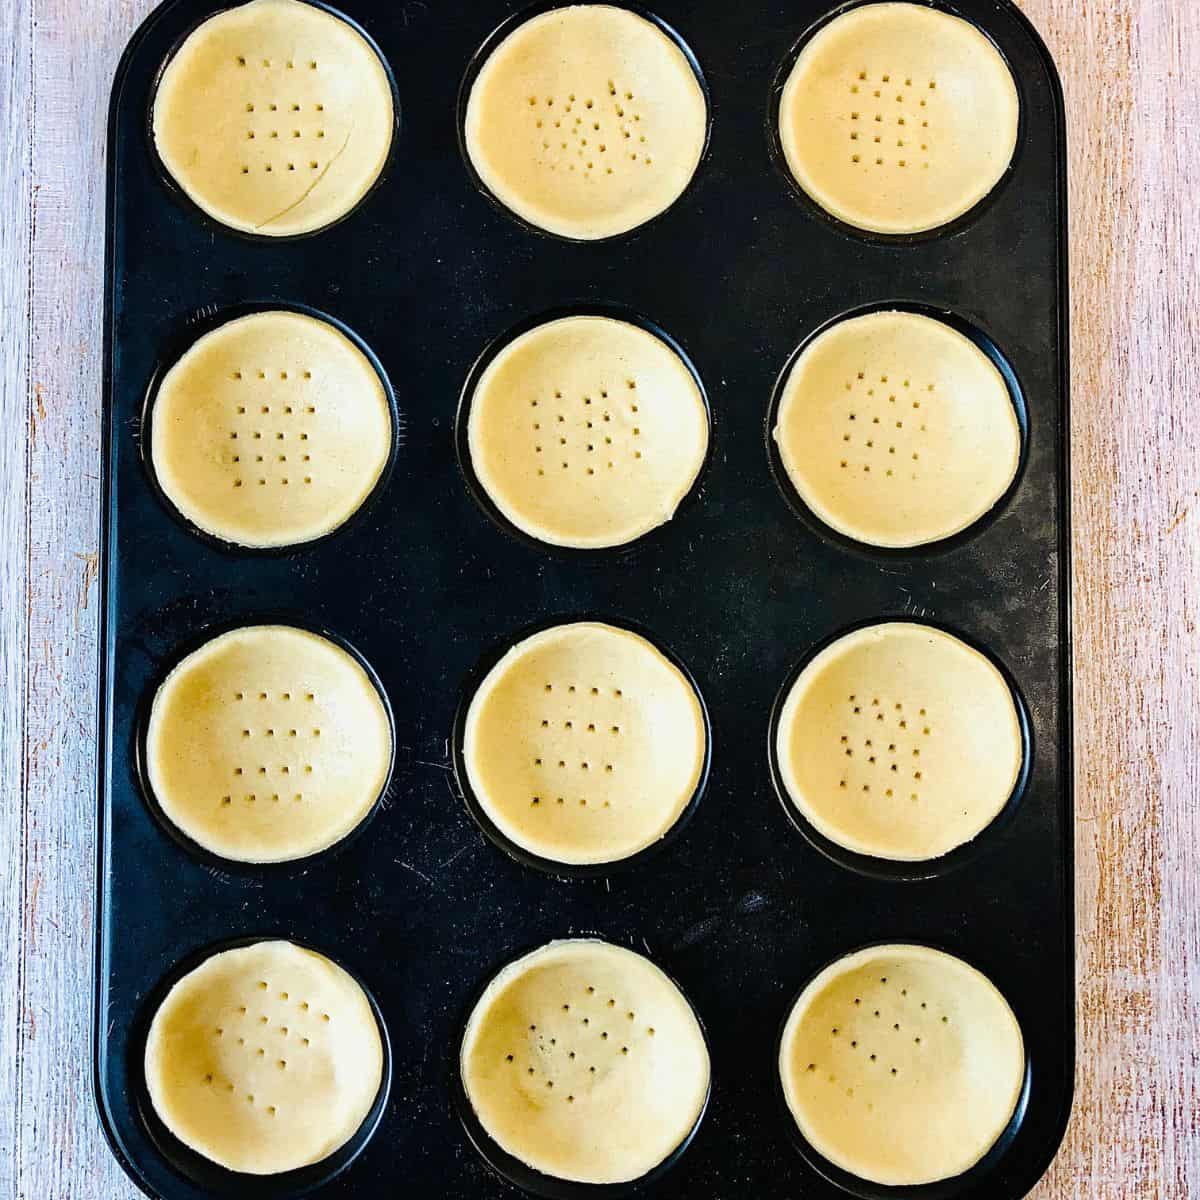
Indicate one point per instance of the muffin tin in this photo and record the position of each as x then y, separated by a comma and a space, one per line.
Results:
738, 907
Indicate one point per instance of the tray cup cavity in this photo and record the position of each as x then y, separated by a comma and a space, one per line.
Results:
896, 121
576, 782
274, 429
926, 431
888, 740
276, 119
272, 701
584, 122
563, 1024
879, 1020
212, 1178
585, 430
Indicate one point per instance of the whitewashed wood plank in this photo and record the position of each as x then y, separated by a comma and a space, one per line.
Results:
1165, 360
1136, 456
16, 118
62, 1151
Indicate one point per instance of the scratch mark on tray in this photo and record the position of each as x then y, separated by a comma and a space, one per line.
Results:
410, 12
455, 856
698, 932
410, 867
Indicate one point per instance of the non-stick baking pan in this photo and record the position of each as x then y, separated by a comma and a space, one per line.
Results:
428, 585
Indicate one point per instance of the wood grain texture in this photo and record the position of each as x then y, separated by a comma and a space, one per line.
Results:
16, 115
1129, 69
73, 46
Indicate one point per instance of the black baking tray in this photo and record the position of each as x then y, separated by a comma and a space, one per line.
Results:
739, 907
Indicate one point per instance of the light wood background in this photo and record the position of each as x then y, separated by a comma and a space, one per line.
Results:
1131, 71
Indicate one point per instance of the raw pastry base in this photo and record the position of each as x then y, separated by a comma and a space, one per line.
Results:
584, 1061
264, 1059
267, 744
900, 742
587, 432
896, 430
275, 117
898, 1106
584, 744
898, 118
586, 121
271, 430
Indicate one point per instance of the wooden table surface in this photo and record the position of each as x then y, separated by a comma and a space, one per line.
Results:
1130, 69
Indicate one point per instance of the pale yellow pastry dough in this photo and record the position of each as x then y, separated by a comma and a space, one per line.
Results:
584, 743
587, 431
268, 743
586, 1062
898, 118
265, 1058
899, 741
271, 430
901, 1064
586, 121
275, 117
897, 430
